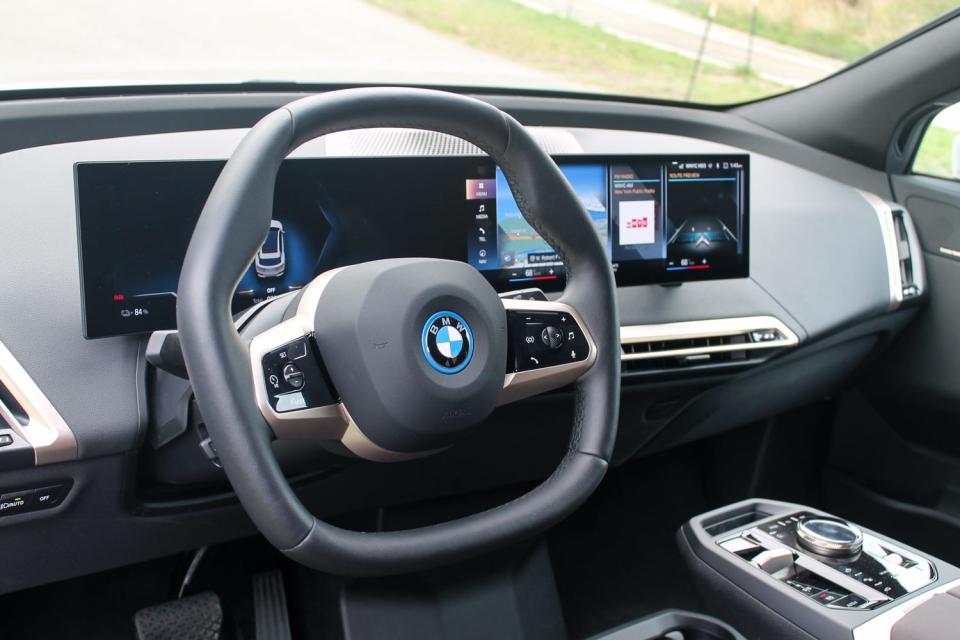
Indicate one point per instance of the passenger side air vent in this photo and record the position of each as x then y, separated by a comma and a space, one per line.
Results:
703, 344
908, 281
901, 247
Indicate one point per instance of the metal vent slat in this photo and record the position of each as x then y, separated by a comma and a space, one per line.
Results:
703, 343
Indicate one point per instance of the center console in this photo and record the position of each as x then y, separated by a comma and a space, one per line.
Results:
780, 570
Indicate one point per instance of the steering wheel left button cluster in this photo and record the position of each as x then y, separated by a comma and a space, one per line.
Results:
295, 378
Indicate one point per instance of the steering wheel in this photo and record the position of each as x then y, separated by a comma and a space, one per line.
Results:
395, 359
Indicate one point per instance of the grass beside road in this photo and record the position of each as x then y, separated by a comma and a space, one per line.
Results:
585, 55
842, 29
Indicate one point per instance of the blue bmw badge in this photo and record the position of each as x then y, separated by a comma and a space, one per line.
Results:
447, 342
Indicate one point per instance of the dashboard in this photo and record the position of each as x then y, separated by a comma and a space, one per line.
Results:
663, 219
818, 256
99, 219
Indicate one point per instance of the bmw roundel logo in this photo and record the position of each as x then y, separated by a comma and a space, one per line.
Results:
447, 342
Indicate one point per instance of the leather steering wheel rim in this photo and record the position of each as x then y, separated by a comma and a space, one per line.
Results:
230, 231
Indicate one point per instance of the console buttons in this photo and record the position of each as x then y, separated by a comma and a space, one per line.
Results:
293, 376
552, 337
827, 597
16, 502
895, 559
5, 439
879, 565
765, 335
804, 588
852, 601
49, 496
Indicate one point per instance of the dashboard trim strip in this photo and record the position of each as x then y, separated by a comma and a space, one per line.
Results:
641, 334
889, 232
46, 430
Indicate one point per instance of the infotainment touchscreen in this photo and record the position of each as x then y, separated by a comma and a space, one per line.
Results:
662, 219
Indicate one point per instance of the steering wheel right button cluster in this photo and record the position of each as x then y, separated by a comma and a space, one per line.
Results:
542, 339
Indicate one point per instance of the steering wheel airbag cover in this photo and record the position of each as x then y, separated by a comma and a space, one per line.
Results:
234, 223
368, 325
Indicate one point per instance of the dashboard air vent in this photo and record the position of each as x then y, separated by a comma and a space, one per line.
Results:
904, 254
25, 410
702, 344
901, 246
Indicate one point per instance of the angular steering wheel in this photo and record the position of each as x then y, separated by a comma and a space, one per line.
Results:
418, 351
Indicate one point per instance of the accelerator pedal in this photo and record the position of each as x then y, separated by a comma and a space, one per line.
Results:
197, 617
271, 621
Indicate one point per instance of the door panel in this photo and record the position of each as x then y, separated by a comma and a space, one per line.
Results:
924, 363
894, 455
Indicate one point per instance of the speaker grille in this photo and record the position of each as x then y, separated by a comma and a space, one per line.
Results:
416, 142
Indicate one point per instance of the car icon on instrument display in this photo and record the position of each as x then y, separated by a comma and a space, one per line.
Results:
271, 260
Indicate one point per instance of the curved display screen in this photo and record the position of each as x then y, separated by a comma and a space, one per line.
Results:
662, 219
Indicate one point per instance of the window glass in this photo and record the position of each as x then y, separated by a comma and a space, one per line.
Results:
702, 51
939, 152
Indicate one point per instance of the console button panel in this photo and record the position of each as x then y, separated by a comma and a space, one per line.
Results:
13, 502
878, 573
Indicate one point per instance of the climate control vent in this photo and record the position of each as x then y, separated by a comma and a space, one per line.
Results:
905, 257
902, 250
702, 344
32, 431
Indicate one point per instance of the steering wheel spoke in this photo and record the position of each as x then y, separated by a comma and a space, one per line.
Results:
550, 348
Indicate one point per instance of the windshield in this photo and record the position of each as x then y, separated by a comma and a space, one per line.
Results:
689, 50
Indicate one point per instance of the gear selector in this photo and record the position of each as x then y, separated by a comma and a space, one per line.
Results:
830, 537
